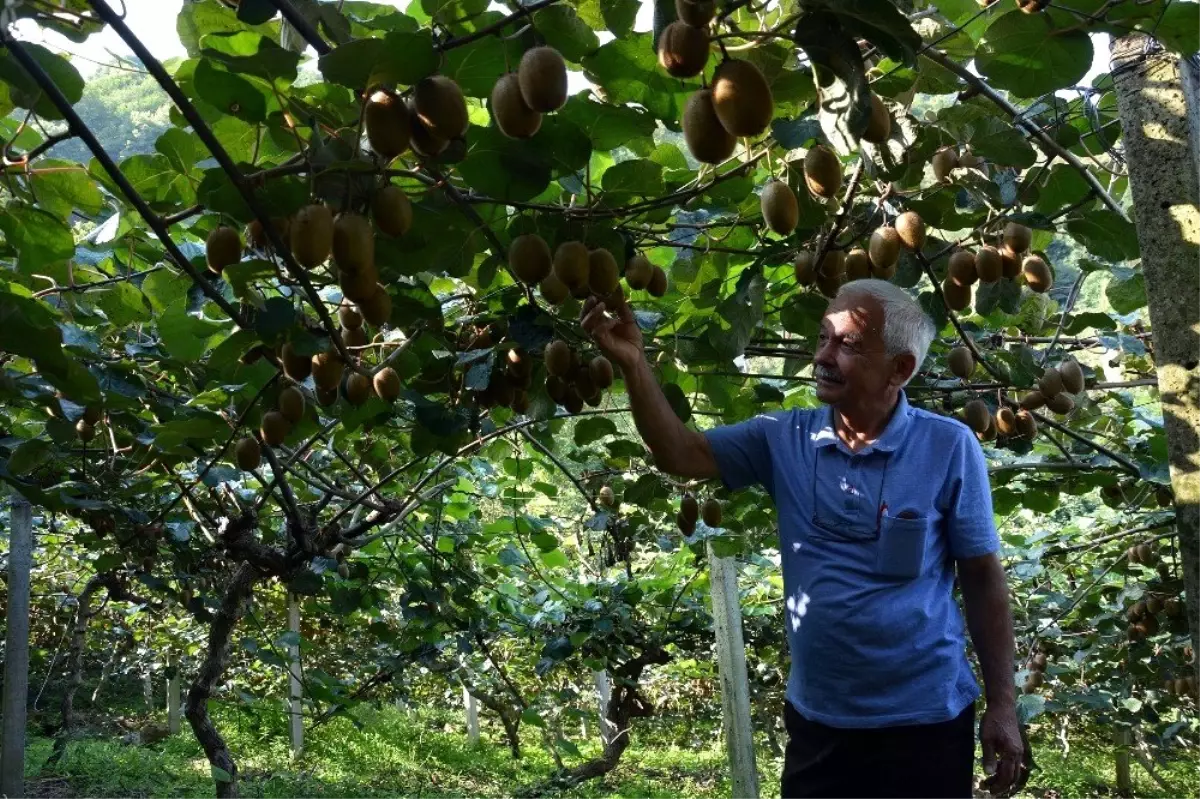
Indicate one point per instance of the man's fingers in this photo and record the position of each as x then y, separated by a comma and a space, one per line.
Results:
989, 755
594, 317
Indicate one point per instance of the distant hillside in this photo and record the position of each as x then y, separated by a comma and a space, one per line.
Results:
126, 110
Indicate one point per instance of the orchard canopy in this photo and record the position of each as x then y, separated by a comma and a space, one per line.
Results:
322, 338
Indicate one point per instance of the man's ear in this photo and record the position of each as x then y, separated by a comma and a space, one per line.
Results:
903, 367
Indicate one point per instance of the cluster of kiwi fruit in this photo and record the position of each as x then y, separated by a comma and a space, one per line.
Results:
1005, 423
690, 511
737, 102
571, 381
1056, 387
1143, 614
879, 260
434, 115
539, 86
1181, 686
508, 387
575, 271
1143, 554
1037, 670
85, 426
947, 159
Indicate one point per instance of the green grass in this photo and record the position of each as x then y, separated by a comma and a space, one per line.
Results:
427, 754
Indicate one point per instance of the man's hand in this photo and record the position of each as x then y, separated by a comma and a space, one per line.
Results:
1003, 749
617, 333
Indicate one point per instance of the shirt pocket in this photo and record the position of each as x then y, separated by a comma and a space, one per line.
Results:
903, 541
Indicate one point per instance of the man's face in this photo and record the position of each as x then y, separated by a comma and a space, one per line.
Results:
850, 364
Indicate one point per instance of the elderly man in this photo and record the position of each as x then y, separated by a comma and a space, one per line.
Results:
879, 503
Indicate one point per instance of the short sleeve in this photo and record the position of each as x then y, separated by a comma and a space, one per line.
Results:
968, 502
743, 451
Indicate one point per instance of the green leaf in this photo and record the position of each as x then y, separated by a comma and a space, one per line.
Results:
163, 288
608, 126
563, 30
151, 175
678, 401
65, 186
200, 428
187, 337
251, 53
990, 136
230, 93
1126, 293
638, 176
556, 559
24, 92
122, 303
512, 169
593, 429
182, 149
477, 67
1061, 188
882, 24
627, 69
40, 238
220, 774
1105, 235
397, 58
1026, 55
29, 455
844, 97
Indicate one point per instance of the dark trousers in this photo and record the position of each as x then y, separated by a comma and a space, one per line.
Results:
922, 760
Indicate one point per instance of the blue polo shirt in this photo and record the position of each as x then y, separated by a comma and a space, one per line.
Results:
868, 542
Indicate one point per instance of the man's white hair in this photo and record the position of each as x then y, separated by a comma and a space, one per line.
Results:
906, 326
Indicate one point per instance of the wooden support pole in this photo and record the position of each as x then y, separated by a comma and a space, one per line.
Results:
1124, 777
173, 715
16, 643
148, 689
735, 683
603, 695
1158, 96
472, 708
295, 687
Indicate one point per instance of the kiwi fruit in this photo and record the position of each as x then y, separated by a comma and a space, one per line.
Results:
858, 264
441, 107
1061, 403
353, 242
961, 362
1050, 383
310, 235
327, 369
542, 77
326, 396
571, 261
879, 124
780, 209
558, 358
977, 415
248, 454
742, 98
1072, 376
515, 119
686, 526
1033, 682
822, 172
1010, 263
603, 274
944, 161
958, 298
989, 266
638, 271
1164, 496
911, 229
556, 389
291, 404
353, 337
1006, 422
389, 128
705, 135
392, 210
805, 268
606, 497
256, 235
359, 286
969, 160
1017, 237
1039, 661
961, 268
297, 367
1146, 554
348, 317
884, 247
582, 380
1135, 633
1026, 424
274, 428
425, 142
85, 431
683, 50
553, 290
376, 307
1037, 274
1154, 605
1174, 608
828, 282
572, 401
529, 258
1149, 625
689, 508
658, 282
696, 12
600, 369
358, 388
222, 248
92, 414
834, 263
711, 512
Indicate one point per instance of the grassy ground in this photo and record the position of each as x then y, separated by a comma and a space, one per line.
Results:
427, 754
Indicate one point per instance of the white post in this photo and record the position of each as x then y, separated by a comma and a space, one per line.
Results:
16, 658
173, 695
472, 708
603, 694
735, 685
295, 688
148, 689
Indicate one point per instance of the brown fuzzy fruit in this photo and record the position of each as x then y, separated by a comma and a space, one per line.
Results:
297, 367
911, 229
961, 268
822, 172
958, 298
353, 337
683, 50
1146, 554
989, 266
780, 209
1154, 605
879, 125
1164, 496
358, 388
222, 248
358, 286
638, 271
805, 268
606, 497
1006, 422
1050, 383
1037, 274
978, 417
658, 282
689, 509
256, 235
376, 308
604, 277
558, 358
248, 454
310, 235
1026, 424
696, 12
884, 247
387, 384
348, 317
353, 243
515, 119
425, 142
529, 258
686, 526
327, 369
441, 107
274, 428
1061, 403
944, 161
84, 431
883, 273
706, 137
291, 404
600, 370
543, 79
389, 127
392, 210
553, 290
711, 512
326, 396
1072, 376
571, 264
1010, 263
1017, 237
961, 362
742, 98
858, 264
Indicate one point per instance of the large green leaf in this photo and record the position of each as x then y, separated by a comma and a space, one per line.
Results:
989, 136
252, 53
513, 169
627, 69
1105, 235
844, 98
1026, 55
230, 92
608, 126
40, 238
566, 32
638, 176
397, 58
24, 92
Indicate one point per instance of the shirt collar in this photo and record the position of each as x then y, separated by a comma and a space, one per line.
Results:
889, 440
